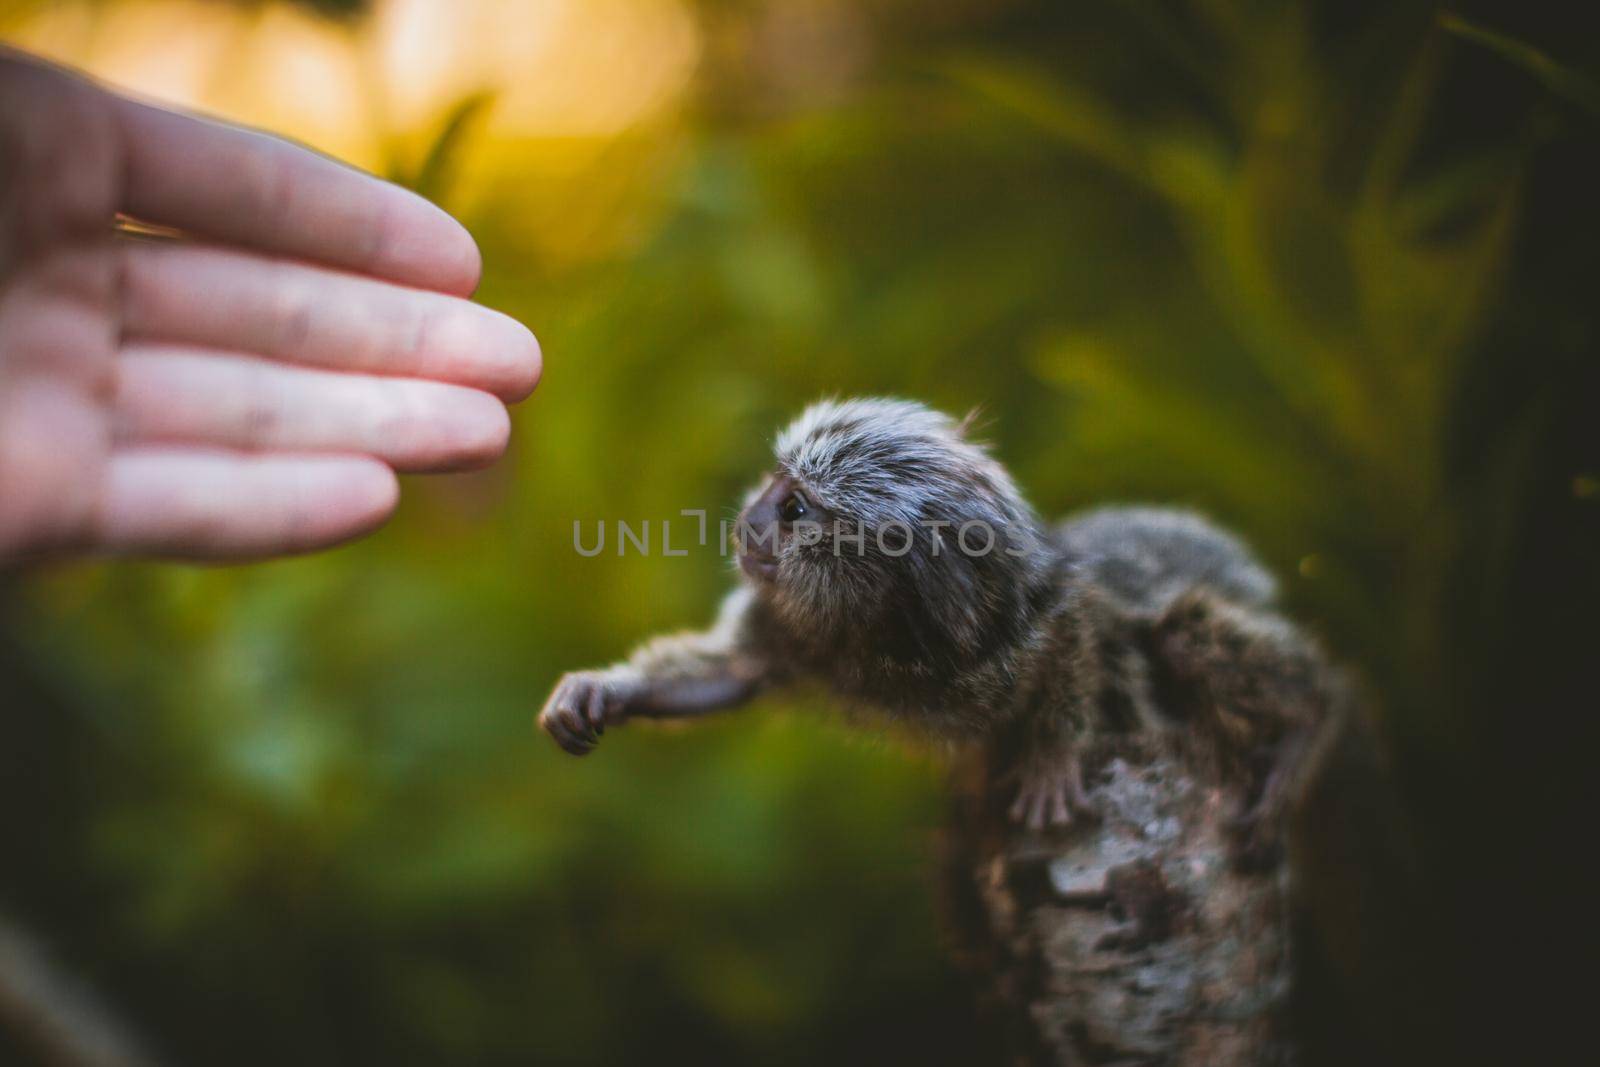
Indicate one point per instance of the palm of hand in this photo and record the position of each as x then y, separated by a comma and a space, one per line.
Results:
250, 389
58, 319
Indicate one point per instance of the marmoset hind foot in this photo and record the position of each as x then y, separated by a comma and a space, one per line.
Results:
1050, 794
1037, 640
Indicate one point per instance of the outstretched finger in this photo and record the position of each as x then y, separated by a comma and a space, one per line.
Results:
181, 395
246, 187
211, 504
243, 302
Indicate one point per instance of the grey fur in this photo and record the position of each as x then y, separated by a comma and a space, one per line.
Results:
1147, 557
1111, 623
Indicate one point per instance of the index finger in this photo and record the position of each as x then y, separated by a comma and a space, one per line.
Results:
249, 188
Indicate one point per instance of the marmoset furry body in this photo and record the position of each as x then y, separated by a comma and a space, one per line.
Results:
893, 560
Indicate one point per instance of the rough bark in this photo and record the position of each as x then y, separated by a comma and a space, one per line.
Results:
1135, 938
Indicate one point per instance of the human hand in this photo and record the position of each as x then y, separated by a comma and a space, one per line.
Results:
245, 391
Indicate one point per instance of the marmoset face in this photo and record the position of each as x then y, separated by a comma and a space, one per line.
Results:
880, 513
777, 516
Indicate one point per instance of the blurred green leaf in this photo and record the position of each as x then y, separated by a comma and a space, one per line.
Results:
1560, 79
434, 175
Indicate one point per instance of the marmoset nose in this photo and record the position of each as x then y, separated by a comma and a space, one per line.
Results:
756, 531
758, 526
756, 520
755, 540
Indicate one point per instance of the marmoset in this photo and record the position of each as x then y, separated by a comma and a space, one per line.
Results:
891, 558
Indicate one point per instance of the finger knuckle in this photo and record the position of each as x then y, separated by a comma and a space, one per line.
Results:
268, 185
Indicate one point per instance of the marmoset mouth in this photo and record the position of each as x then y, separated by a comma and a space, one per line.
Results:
761, 568
757, 545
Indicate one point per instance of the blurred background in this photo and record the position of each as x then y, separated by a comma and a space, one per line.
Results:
1326, 271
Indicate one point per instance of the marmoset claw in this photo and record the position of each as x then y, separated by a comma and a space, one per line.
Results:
1051, 796
578, 710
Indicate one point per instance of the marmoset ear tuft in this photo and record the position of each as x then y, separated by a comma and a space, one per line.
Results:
972, 420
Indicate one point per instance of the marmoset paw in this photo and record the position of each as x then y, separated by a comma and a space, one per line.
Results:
579, 709
1051, 796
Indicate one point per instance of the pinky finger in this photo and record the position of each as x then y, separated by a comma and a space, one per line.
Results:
209, 504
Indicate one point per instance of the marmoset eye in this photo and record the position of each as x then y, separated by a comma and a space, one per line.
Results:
793, 508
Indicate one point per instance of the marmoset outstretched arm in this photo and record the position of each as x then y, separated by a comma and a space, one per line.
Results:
675, 676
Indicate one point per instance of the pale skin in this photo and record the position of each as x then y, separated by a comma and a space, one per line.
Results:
249, 389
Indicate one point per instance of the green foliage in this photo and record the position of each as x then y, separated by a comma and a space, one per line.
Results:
1557, 77
434, 173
